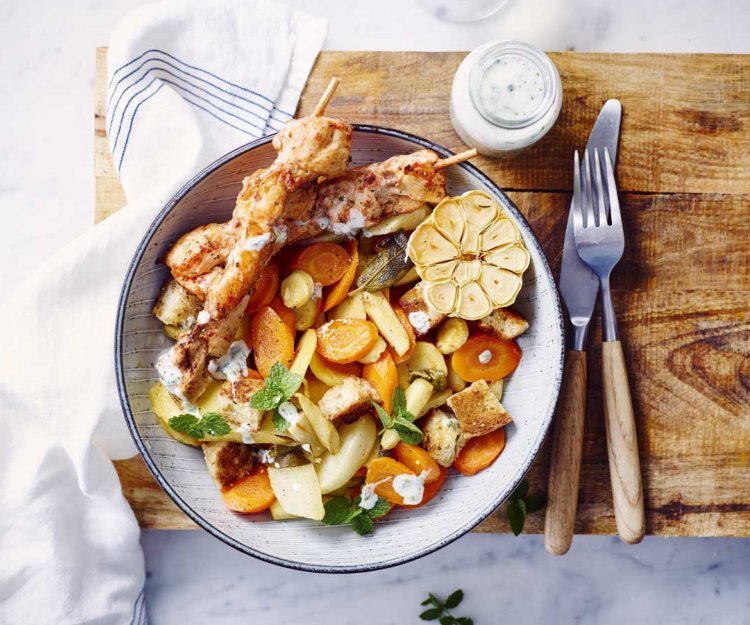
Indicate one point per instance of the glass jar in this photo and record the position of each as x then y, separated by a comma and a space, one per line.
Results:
506, 95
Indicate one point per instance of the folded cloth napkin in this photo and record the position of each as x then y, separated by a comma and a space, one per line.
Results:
188, 81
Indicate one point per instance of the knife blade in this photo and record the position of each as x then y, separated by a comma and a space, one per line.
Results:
578, 284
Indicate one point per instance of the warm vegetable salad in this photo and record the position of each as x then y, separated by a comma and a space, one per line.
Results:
352, 385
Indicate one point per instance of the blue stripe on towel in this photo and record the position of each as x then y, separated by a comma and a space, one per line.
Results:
125, 110
130, 127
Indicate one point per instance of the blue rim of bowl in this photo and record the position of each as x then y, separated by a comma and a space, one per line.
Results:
291, 564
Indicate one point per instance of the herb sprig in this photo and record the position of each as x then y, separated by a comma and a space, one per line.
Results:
521, 504
400, 420
281, 385
343, 511
211, 423
441, 609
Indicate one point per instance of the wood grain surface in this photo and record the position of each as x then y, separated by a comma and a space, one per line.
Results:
682, 290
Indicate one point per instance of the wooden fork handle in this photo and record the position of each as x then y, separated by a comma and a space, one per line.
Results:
567, 445
622, 445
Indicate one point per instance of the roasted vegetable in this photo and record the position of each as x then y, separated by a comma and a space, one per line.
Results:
386, 267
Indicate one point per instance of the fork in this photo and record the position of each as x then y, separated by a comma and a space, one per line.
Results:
600, 242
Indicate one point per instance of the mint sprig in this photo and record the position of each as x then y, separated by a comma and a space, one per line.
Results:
521, 504
281, 384
441, 609
211, 423
400, 419
345, 511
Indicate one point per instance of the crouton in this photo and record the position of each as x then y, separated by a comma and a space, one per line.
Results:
504, 323
175, 306
348, 400
227, 462
421, 315
478, 410
234, 402
442, 436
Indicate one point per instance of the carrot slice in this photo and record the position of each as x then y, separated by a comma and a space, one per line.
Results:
382, 374
346, 340
431, 488
339, 291
485, 357
480, 452
404, 321
272, 340
286, 314
265, 288
251, 494
418, 460
381, 472
325, 262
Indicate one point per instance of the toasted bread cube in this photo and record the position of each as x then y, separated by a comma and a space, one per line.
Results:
176, 306
234, 402
345, 402
227, 462
421, 315
478, 410
504, 323
442, 436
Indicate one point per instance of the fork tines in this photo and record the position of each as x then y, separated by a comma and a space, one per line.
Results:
595, 201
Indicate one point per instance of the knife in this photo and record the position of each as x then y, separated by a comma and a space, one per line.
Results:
579, 287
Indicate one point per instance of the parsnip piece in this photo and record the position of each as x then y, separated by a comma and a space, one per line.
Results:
455, 382
417, 396
451, 334
303, 432
390, 439
351, 308
306, 315
436, 400
374, 353
297, 289
305, 350
326, 432
381, 313
325, 373
427, 362
298, 491
357, 440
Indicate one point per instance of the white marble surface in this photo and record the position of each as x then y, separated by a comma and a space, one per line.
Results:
46, 199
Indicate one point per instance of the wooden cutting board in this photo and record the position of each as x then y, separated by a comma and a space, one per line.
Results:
682, 290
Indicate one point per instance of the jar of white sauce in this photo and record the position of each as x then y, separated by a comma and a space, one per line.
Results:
506, 95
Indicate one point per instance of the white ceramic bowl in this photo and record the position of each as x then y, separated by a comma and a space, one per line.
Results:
463, 502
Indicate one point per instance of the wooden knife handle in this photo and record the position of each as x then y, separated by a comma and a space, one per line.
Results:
622, 445
567, 446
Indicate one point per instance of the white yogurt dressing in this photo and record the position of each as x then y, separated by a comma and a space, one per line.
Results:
410, 487
232, 365
255, 244
352, 225
511, 88
171, 377
317, 290
368, 498
420, 321
203, 317
247, 434
289, 411
485, 356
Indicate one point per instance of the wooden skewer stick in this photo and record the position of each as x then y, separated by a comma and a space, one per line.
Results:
326, 97
456, 158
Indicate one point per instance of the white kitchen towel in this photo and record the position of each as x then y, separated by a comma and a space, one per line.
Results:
188, 81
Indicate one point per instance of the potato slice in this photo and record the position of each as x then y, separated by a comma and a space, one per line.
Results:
357, 440
298, 491
351, 308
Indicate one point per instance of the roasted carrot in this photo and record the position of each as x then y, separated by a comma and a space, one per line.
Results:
485, 357
272, 340
338, 292
286, 314
251, 494
382, 374
381, 472
480, 452
418, 460
265, 288
325, 262
404, 321
431, 488
346, 340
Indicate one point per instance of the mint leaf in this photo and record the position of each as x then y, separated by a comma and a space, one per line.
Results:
432, 600
433, 614
185, 423
283, 380
398, 401
447, 620
381, 507
214, 424
521, 491
362, 524
454, 599
517, 515
407, 431
266, 398
534, 503
280, 424
338, 511
464, 620
386, 419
